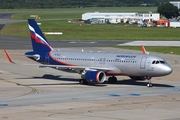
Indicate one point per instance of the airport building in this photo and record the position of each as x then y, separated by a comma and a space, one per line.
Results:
120, 17
149, 16
103, 15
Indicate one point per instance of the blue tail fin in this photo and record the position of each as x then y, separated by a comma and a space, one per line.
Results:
39, 42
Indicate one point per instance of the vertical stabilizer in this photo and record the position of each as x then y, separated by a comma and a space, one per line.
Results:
39, 42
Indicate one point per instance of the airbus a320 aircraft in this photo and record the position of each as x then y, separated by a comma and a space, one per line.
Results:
95, 66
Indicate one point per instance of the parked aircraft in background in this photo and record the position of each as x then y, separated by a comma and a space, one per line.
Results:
94, 67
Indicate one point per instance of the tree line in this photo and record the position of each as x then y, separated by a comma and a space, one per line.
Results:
15, 4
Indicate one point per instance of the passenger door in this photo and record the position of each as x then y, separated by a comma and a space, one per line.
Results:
143, 62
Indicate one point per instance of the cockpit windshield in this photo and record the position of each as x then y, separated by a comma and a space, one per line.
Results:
158, 62
162, 62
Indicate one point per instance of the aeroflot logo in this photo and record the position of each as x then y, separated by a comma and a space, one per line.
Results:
38, 37
126, 56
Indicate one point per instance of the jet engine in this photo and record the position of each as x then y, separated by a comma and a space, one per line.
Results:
95, 76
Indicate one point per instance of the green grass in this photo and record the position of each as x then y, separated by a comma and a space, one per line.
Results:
166, 50
73, 31
72, 12
49, 16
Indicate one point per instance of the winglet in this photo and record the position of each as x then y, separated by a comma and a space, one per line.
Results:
8, 56
143, 50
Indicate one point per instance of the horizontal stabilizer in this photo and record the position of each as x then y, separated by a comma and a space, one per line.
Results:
36, 56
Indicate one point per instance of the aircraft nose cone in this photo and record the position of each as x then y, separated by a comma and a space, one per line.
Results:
167, 70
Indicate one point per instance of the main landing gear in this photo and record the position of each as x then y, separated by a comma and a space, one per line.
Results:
83, 81
112, 80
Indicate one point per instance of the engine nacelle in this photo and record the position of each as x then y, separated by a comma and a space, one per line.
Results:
95, 76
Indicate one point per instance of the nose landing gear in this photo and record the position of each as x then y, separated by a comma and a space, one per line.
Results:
149, 82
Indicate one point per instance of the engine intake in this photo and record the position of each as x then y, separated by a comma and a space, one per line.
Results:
95, 76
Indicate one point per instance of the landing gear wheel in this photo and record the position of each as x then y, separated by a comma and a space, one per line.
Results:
149, 82
112, 80
149, 85
83, 82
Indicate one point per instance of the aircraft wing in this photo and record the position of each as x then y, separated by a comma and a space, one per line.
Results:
77, 68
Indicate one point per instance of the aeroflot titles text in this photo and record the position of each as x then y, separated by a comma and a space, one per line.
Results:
126, 56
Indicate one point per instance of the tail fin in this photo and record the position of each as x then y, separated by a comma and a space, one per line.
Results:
39, 42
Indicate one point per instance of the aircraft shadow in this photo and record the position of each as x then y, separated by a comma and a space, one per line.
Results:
51, 77
59, 78
122, 82
138, 83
